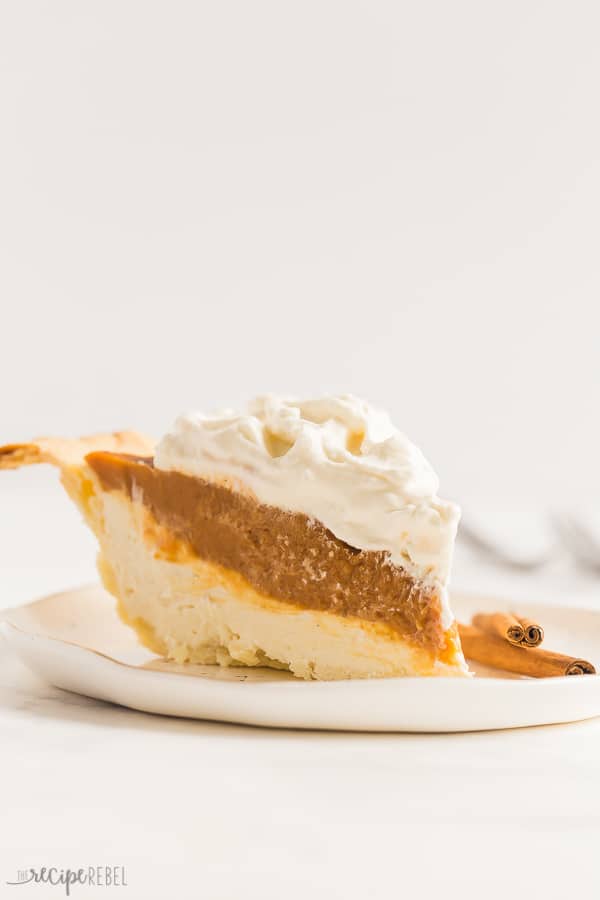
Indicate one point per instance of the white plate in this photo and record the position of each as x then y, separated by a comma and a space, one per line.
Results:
76, 641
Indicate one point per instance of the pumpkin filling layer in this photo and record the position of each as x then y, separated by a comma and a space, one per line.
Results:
285, 555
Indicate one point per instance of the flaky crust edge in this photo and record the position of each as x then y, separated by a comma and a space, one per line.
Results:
69, 456
71, 452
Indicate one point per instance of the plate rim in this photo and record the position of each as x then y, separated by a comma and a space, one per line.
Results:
200, 693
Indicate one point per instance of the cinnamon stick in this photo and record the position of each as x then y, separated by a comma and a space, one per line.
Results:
492, 650
513, 628
503, 625
533, 633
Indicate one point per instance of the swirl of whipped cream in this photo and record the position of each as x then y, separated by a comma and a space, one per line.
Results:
335, 459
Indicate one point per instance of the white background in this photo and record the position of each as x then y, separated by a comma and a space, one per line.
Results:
200, 201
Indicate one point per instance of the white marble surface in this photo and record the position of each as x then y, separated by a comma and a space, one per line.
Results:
203, 810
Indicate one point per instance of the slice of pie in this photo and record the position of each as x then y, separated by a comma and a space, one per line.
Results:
302, 535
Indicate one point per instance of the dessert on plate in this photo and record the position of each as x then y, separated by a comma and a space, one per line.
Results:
304, 535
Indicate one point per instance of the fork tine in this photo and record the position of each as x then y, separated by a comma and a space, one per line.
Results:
498, 555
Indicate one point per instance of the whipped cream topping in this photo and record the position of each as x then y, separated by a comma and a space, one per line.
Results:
335, 459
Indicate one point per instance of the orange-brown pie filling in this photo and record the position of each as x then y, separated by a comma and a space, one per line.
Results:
285, 555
